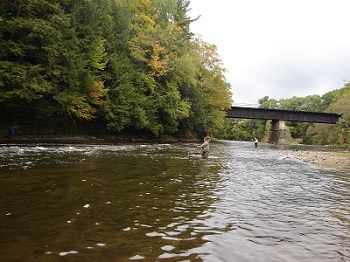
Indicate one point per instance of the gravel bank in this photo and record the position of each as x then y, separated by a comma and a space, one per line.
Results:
327, 159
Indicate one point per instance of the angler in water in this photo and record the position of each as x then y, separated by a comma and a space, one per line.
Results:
205, 147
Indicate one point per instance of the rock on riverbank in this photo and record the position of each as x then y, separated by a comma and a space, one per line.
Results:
322, 158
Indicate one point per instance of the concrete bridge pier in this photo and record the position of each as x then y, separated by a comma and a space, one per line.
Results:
278, 133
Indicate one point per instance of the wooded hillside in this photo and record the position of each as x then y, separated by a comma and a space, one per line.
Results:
107, 66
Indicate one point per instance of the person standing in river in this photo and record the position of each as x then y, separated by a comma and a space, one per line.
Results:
256, 142
205, 147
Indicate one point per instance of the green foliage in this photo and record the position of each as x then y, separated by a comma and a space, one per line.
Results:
321, 134
211, 92
29, 36
341, 104
267, 103
245, 130
129, 65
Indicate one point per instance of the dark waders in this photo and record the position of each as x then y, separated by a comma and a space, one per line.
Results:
205, 154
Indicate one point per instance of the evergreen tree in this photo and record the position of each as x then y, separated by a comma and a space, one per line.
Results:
30, 35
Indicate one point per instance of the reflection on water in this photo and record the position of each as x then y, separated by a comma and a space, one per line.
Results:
149, 202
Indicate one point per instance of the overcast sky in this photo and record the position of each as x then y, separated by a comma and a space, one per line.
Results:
278, 48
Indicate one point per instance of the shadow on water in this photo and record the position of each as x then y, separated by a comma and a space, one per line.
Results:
149, 202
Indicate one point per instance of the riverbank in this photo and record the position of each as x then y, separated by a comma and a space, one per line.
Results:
324, 158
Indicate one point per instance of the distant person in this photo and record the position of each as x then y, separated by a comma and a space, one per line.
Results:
256, 142
12, 131
205, 147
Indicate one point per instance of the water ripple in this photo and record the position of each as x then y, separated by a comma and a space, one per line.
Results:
149, 202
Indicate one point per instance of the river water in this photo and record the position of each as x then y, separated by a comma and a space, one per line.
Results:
162, 202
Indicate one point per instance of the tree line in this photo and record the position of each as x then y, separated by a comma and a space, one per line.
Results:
108, 66
336, 101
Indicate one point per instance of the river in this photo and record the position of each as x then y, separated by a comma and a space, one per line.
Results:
104, 201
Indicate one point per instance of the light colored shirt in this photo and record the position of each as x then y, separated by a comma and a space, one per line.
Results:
205, 146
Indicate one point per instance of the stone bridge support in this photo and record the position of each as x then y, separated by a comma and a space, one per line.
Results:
278, 133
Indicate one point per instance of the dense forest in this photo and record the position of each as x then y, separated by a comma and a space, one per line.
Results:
106, 67
337, 101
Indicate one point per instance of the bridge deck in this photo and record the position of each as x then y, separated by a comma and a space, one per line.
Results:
286, 115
